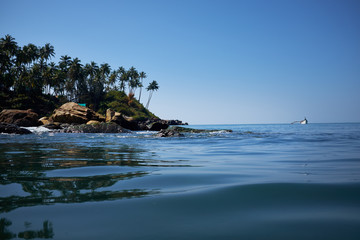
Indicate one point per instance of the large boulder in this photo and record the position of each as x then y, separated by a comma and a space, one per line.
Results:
24, 118
122, 120
12, 128
74, 113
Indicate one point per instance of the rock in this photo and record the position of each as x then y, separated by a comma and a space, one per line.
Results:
92, 122
169, 133
44, 121
52, 126
174, 122
24, 118
193, 130
122, 120
157, 126
12, 128
94, 128
74, 113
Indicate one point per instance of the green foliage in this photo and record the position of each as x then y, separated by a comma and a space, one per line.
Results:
119, 102
41, 104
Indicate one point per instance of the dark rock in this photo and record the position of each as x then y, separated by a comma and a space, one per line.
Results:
175, 122
157, 126
192, 130
52, 126
94, 128
24, 118
74, 113
12, 128
169, 133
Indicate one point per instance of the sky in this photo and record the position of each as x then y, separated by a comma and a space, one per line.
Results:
216, 62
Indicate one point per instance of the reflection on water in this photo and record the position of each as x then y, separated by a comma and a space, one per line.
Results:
46, 232
238, 185
32, 164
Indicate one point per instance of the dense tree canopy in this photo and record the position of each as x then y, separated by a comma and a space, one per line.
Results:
28, 70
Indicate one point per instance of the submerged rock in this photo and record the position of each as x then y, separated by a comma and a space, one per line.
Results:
94, 128
175, 131
193, 130
169, 133
12, 128
23, 118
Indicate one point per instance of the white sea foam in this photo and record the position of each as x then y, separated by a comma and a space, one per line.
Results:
38, 130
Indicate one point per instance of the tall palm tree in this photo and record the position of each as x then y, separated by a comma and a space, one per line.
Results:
63, 77
32, 52
123, 78
8, 50
8, 45
47, 52
153, 86
133, 80
49, 77
142, 75
75, 82
111, 83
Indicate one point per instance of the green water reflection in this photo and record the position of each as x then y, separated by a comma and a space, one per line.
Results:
28, 164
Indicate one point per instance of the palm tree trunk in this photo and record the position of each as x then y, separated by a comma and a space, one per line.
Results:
150, 95
140, 93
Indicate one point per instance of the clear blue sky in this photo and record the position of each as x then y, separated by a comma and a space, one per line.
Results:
253, 61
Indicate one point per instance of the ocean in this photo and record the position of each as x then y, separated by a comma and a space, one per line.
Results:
265, 181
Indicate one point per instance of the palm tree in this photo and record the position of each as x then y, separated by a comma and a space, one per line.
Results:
46, 52
8, 50
75, 84
49, 76
133, 80
105, 70
153, 86
8, 45
142, 76
32, 53
63, 78
123, 78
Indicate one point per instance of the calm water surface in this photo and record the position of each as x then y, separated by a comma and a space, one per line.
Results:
258, 182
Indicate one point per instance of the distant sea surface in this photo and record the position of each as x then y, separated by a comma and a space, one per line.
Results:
278, 181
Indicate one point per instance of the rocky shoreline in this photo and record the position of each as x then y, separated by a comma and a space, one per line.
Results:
73, 118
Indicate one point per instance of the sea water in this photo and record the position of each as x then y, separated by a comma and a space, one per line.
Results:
277, 181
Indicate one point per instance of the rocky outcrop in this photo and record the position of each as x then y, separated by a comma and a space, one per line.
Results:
12, 129
74, 113
176, 131
121, 119
174, 122
24, 118
94, 128
169, 133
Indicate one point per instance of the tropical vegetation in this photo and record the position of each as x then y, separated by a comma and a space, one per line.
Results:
28, 76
